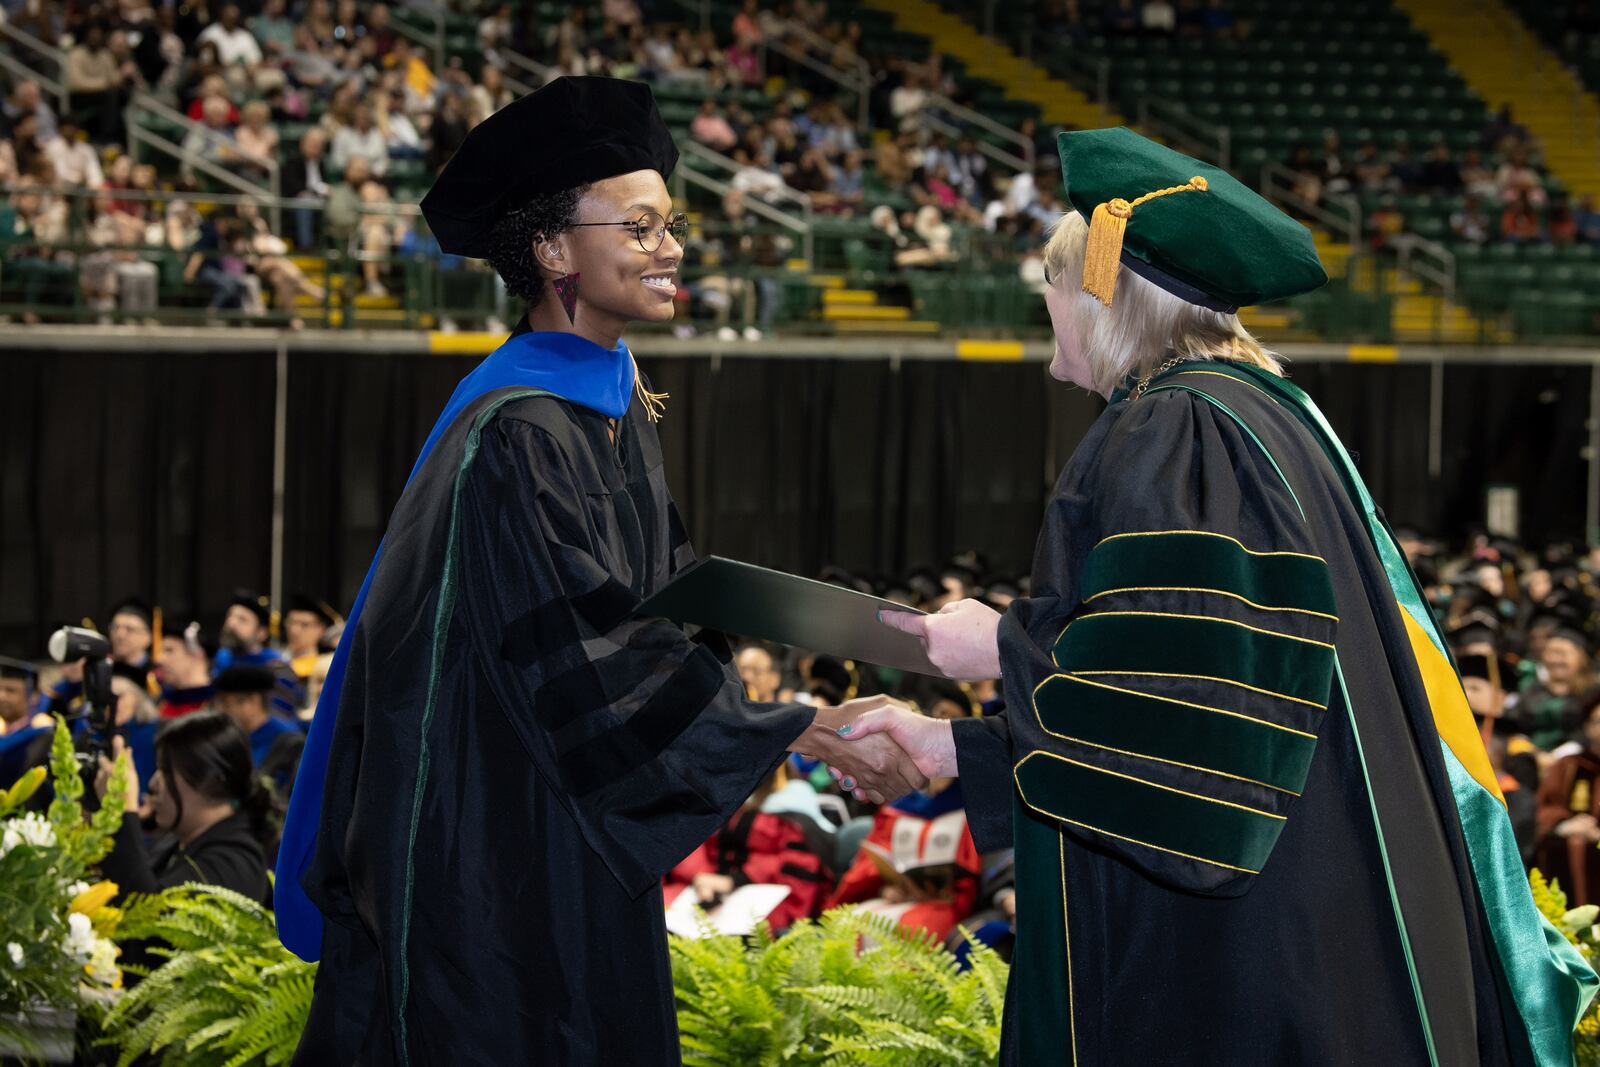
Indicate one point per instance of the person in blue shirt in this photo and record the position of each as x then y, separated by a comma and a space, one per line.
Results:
245, 694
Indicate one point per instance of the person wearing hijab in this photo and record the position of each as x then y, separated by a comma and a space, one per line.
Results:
506, 760
1253, 819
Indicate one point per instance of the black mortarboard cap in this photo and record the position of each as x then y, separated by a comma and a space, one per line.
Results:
18, 668
246, 679
319, 608
134, 606
573, 131
253, 603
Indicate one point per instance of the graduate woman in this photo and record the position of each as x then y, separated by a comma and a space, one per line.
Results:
1253, 821
506, 761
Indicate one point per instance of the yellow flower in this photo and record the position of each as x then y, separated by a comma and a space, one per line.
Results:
22, 789
93, 898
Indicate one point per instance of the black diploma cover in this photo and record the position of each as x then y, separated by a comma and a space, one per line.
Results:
750, 601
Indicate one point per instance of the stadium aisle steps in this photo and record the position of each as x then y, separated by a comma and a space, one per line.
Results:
1059, 103
1492, 49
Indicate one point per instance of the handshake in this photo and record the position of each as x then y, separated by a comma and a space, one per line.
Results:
878, 748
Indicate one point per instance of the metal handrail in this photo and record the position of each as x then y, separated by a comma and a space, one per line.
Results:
1277, 185
57, 85
1086, 71
143, 104
163, 196
542, 73
1428, 261
861, 89
937, 104
23, 72
800, 226
1196, 136
712, 156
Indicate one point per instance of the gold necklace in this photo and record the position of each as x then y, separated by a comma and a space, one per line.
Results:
1143, 383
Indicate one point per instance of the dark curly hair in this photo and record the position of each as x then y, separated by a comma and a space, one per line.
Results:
511, 250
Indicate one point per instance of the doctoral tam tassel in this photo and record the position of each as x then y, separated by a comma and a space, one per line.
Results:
654, 403
1102, 253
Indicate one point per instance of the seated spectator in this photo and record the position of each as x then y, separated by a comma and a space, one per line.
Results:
419, 80
1476, 177
378, 232
1470, 222
1307, 174
400, 137
1439, 171
39, 224
1385, 222
1336, 170
446, 130
273, 28
775, 838
918, 864
1549, 707
1372, 172
26, 99
894, 162
255, 141
490, 94
711, 129
184, 672
213, 140
218, 259
747, 23
361, 138
307, 63
235, 45
1568, 829
94, 80
215, 814
1519, 223
243, 694
1516, 178
75, 160
494, 32
270, 260
847, 189
742, 61
117, 276
969, 171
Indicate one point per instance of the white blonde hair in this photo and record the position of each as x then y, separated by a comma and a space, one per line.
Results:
1145, 325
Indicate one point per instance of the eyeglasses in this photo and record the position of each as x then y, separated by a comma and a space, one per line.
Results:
650, 229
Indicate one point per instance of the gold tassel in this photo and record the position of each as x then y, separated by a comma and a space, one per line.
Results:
654, 403
1102, 254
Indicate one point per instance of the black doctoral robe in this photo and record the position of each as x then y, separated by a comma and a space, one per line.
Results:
517, 760
1253, 822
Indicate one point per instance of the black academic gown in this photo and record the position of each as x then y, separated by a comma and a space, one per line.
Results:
518, 761
1232, 847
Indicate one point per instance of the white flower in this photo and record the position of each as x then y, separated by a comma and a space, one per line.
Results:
76, 888
15, 951
104, 977
30, 829
79, 943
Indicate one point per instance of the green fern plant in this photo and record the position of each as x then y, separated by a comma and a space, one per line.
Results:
228, 992
850, 988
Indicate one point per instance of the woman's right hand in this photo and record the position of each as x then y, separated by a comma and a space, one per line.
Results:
929, 743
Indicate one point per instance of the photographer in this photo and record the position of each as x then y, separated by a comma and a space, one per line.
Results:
215, 814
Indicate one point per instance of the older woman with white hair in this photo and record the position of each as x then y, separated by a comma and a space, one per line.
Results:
1253, 821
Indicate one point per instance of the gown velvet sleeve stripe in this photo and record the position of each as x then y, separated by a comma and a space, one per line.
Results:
1192, 676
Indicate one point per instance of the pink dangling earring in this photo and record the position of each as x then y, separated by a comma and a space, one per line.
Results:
567, 289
